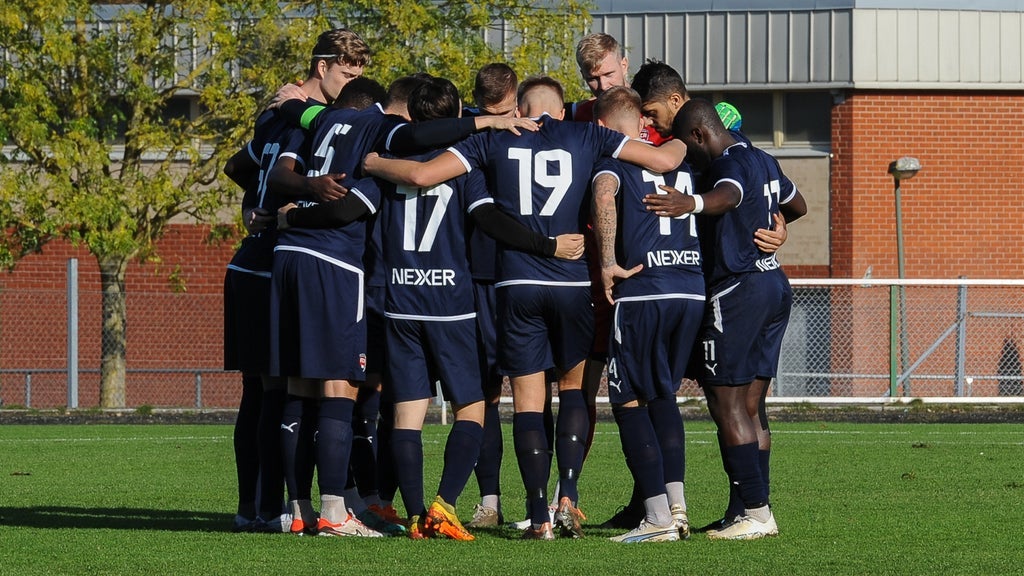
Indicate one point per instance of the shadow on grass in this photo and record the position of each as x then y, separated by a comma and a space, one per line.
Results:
115, 518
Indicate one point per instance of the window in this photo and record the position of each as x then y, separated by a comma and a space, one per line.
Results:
807, 118
783, 119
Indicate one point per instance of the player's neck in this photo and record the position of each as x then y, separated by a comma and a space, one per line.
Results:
311, 87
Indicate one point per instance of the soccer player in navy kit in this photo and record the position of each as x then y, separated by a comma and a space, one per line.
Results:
494, 93
337, 56
544, 312
749, 297
651, 268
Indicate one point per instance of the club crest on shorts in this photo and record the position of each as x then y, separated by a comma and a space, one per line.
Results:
362, 363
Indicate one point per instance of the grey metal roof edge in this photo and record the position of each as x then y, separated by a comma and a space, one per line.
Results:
606, 7
765, 87
962, 86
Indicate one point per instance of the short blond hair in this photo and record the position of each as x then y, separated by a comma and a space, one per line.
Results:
593, 48
617, 102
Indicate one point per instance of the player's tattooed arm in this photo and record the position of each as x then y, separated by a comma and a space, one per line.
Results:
605, 217
771, 239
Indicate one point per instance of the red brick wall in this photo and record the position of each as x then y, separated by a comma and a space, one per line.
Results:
960, 213
168, 329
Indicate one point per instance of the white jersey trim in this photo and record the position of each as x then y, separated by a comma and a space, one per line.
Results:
260, 273
479, 203
790, 197
336, 262
735, 183
469, 167
613, 175
391, 135
298, 159
676, 296
397, 316
621, 144
361, 196
248, 148
539, 283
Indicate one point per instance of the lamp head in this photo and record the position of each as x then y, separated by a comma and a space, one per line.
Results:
905, 168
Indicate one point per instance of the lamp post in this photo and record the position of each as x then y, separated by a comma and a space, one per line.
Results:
904, 168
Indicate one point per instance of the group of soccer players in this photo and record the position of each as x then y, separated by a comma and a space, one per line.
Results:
379, 262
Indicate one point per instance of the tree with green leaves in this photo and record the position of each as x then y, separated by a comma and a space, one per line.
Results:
95, 153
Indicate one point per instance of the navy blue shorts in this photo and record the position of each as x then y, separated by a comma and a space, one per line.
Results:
540, 327
487, 335
376, 346
247, 321
650, 347
313, 336
421, 352
744, 322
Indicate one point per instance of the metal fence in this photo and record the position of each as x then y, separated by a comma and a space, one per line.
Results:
848, 340
909, 338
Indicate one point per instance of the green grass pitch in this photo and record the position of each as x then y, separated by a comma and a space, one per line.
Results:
849, 498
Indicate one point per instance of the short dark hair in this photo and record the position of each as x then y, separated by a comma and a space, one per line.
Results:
493, 84
360, 93
697, 112
433, 99
656, 81
399, 90
535, 81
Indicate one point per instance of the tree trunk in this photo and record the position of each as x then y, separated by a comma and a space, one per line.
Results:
115, 333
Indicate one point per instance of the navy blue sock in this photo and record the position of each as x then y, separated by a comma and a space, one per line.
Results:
246, 439
271, 464
640, 446
668, 428
387, 483
333, 444
492, 448
305, 456
534, 460
460, 455
571, 440
744, 470
407, 454
290, 431
364, 437
735, 506
764, 457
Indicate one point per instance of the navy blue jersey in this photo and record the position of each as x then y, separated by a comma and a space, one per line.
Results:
483, 250
424, 231
273, 138
668, 248
727, 240
543, 180
343, 138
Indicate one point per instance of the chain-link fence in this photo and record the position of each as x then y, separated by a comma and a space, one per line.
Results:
845, 339
920, 338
